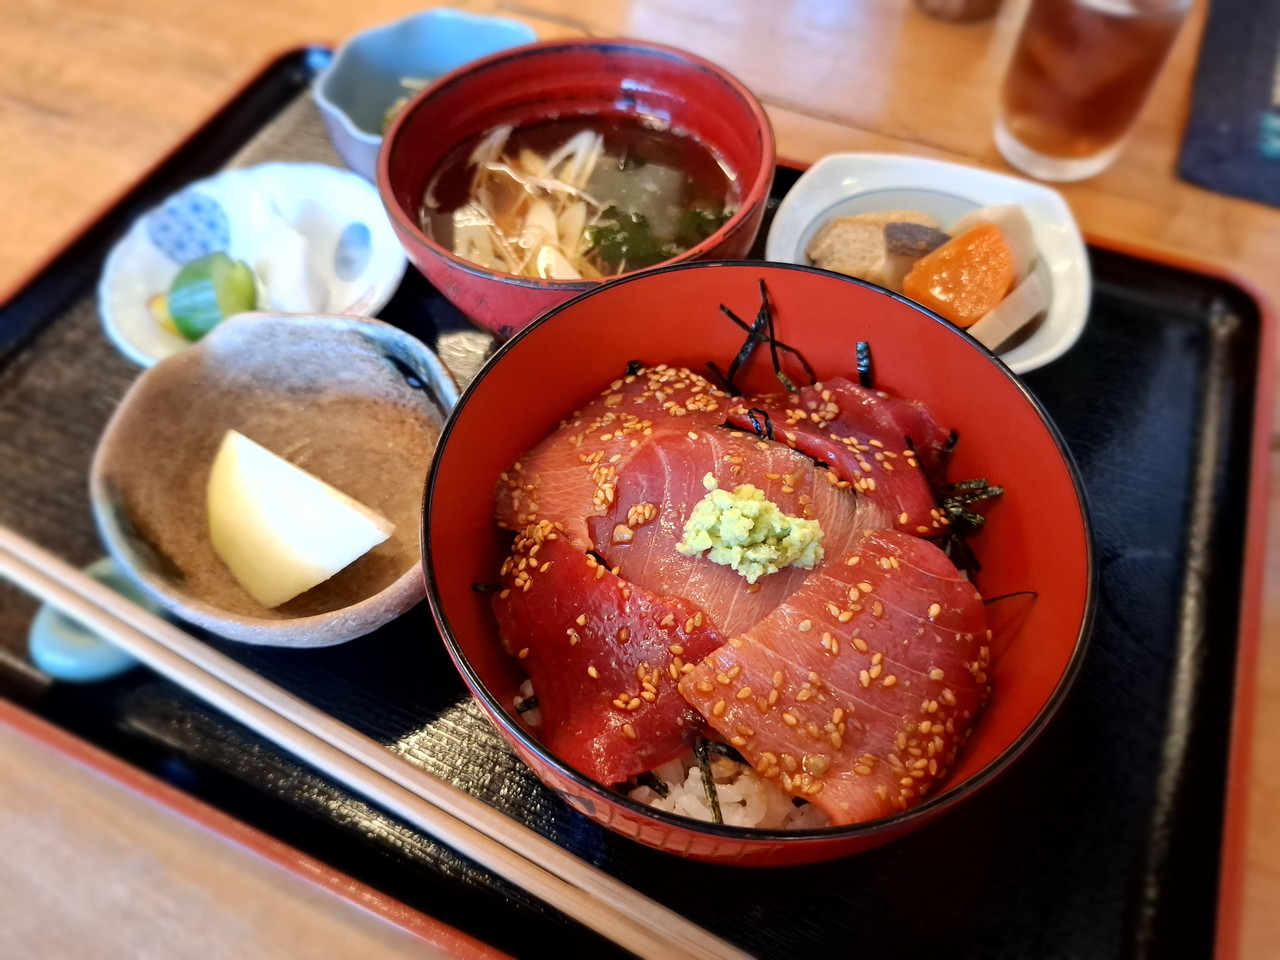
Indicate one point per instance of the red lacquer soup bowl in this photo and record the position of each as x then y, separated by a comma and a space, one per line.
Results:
1036, 537
621, 80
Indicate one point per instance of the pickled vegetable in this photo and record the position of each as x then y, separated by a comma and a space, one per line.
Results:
208, 290
964, 279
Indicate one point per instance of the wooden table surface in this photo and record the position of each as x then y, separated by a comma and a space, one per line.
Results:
92, 92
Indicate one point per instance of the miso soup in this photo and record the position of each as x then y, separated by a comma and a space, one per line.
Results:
578, 198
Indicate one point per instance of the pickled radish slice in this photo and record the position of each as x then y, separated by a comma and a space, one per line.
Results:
964, 279
280, 530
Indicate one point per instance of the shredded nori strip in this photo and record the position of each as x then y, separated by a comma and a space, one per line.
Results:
961, 495
965, 492
634, 367
866, 371
961, 554
708, 779
767, 307
715, 746
955, 501
961, 515
776, 345
748, 347
988, 601
527, 704
765, 432
758, 331
486, 587
655, 783
1006, 614
719, 379
734, 317
948, 448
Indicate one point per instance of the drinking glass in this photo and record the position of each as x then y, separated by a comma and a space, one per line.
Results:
1080, 73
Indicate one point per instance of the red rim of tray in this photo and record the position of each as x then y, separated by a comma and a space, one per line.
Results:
1234, 836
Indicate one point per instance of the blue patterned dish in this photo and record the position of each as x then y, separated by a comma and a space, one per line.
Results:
316, 237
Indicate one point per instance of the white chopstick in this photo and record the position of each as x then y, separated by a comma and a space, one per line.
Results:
453, 816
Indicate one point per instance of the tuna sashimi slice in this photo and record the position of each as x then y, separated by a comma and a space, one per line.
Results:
571, 474
857, 692
890, 448
604, 657
665, 480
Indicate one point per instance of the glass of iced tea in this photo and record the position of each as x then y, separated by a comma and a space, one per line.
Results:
1080, 73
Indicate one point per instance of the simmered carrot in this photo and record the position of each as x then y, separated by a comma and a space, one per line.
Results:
964, 278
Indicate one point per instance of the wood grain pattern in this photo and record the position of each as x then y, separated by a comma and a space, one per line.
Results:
437, 808
94, 91
91, 871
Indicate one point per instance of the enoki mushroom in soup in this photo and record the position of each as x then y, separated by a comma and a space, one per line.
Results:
578, 198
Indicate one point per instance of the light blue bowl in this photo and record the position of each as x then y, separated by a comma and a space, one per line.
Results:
63, 648
364, 79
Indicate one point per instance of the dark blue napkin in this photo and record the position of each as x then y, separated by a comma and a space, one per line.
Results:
1232, 141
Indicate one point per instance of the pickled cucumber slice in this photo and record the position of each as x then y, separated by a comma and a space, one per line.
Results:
208, 290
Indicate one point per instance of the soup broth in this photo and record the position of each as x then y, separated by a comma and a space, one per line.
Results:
577, 198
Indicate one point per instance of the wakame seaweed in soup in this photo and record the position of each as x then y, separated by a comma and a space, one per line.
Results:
578, 198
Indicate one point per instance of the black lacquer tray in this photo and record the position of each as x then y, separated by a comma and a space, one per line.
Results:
1104, 840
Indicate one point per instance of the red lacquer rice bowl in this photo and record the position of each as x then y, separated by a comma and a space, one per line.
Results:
1036, 537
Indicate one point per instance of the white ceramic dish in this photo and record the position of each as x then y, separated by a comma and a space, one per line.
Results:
317, 237
368, 73
844, 184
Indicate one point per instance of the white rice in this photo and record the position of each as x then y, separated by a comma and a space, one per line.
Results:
531, 718
746, 799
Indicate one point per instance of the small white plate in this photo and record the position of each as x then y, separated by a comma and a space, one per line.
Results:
844, 184
317, 237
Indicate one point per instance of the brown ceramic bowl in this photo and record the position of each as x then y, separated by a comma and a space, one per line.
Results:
356, 402
568, 78
1036, 538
